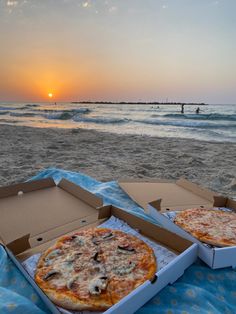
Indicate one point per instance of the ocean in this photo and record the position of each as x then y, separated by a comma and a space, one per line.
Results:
213, 123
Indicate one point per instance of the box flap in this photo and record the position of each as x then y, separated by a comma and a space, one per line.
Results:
221, 201
19, 245
179, 195
231, 203
196, 189
29, 186
44, 211
83, 194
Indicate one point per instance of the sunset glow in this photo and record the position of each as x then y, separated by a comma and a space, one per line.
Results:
118, 50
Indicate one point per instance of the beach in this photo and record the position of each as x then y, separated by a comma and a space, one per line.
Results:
108, 156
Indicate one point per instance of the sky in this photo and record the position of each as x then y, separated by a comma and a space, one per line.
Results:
118, 50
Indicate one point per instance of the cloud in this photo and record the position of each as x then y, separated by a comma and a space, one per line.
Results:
86, 4
12, 3
113, 9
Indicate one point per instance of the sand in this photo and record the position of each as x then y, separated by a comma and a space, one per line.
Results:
25, 151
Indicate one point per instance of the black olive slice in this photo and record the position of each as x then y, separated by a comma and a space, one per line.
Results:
108, 235
95, 257
51, 274
96, 288
126, 248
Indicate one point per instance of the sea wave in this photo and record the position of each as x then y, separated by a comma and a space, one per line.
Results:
204, 116
187, 124
22, 114
8, 108
99, 120
8, 121
65, 114
28, 106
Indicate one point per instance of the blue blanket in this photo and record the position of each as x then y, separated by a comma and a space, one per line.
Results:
199, 290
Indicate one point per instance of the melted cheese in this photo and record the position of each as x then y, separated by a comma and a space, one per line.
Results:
86, 276
216, 225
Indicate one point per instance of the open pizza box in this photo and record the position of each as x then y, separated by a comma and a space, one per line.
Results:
34, 214
160, 198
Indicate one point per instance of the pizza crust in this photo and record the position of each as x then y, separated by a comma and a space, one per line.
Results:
74, 304
219, 242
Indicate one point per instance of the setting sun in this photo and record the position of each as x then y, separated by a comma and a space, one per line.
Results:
50, 95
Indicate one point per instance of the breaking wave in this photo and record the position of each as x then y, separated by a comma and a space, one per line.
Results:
100, 120
28, 106
205, 116
65, 114
188, 124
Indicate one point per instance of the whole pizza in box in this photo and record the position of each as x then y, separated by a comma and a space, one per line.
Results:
94, 269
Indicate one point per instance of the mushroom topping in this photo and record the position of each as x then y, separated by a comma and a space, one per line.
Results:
51, 274
71, 282
72, 257
105, 237
95, 258
126, 269
108, 236
97, 285
125, 249
97, 270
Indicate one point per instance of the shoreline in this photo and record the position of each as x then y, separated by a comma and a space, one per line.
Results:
109, 156
77, 129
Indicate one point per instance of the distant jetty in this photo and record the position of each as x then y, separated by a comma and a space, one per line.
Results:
139, 103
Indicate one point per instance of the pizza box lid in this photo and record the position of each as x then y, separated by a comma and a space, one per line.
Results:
35, 212
169, 194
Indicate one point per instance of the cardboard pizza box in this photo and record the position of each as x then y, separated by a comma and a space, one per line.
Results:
34, 214
213, 256
169, 194
163, 196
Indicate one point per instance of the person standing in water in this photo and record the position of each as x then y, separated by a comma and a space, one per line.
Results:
197, 110
182, 108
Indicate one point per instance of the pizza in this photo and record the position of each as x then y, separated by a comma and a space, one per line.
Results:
94, 268
211, 226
